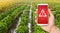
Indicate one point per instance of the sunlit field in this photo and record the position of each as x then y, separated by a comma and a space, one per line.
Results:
14, 15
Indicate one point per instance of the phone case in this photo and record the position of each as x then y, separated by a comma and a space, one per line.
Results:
42, 14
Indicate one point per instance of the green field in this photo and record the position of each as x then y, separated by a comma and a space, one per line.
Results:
11, 12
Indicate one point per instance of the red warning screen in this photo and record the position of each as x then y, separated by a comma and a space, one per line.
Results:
42, 14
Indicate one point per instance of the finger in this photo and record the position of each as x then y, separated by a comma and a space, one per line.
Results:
36, 10
35, 17
51, 15
50, 12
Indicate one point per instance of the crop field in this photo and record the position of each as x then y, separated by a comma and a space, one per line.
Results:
10, 12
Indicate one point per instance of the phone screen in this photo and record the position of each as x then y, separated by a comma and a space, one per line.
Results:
42, 14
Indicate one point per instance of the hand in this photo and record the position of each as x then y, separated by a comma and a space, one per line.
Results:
50, 22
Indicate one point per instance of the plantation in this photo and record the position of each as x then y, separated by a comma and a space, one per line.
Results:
22, 9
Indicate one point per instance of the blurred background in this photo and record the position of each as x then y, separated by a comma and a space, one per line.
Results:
14, 15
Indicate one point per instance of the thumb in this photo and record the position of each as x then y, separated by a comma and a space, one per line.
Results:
51, 14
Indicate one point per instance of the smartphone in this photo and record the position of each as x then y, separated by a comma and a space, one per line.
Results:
42, 14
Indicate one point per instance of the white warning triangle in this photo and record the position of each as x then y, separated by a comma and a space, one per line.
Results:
42, 14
